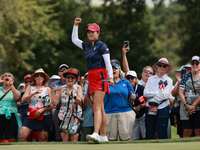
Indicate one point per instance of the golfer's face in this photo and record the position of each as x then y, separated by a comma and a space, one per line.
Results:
92, 35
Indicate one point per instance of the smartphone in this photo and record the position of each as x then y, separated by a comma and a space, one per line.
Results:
126, 43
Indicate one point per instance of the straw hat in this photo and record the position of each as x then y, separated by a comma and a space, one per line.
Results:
164, 61
41, 71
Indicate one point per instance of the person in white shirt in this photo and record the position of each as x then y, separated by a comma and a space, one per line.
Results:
158, 90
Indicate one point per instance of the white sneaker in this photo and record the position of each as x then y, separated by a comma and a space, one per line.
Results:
103, 138
93, 137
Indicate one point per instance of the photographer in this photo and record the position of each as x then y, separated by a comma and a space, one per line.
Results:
10, 121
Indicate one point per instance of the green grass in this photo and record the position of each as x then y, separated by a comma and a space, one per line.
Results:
109, 146
175, 143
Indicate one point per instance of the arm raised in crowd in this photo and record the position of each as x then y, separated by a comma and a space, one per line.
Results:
175, 91
124, 58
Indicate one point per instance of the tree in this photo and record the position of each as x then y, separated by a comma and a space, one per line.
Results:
190, 25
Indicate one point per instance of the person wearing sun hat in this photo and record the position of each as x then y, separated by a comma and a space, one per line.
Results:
39, 112
158, 90
190, 99
71, 97
97, 56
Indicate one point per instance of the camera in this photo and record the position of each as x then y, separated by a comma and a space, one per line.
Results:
183, 71
126, 43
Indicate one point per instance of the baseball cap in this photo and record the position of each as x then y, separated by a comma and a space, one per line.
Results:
63, 65
188, 65
180, 69
21, 85
55, 77
70, 71
131, 73
93, 27
195, 58
115, 63
27, 76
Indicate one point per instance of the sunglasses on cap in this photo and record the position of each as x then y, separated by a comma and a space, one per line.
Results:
72, 77
115, 64
195, 62
147, 71
162, 65
29, 81
132, 78
39, 74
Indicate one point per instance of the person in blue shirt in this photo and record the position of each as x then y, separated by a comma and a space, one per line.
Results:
98, 64
120, 116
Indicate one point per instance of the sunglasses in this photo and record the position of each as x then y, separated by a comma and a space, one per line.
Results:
193, 62
162, 65
132, 78
62, 70
114, 65
28, 81
68, 77
147, 71
37, 75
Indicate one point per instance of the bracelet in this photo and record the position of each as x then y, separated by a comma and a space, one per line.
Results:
178, 84
141, 106
186, 104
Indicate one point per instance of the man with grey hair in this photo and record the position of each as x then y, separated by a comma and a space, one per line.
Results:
146, 73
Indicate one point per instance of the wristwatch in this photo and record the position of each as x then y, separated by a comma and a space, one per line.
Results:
74, 97
185, 104
141, 106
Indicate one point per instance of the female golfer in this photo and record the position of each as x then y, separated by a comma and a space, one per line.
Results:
98, 60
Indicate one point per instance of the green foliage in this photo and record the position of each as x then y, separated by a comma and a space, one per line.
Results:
35, 33
190, 25
164, 26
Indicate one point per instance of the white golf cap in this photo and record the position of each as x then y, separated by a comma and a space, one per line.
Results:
131, 73
55, 77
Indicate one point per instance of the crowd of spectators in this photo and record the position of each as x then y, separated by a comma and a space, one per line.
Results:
25, 116
108, 103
